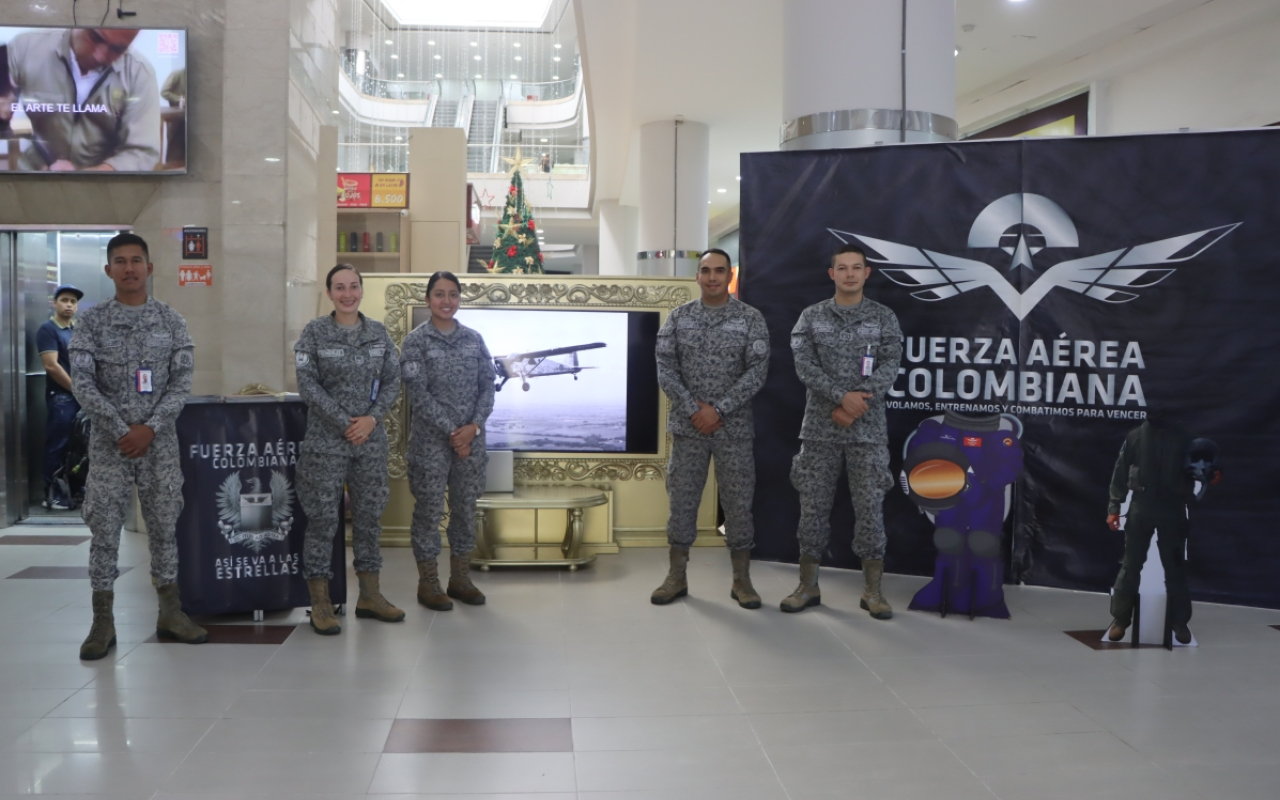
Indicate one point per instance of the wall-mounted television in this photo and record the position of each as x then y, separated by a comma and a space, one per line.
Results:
569, 381
89, 100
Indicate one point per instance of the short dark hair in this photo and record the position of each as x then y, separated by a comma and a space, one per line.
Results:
715, 251
328, 279
124, 240
848, 248
442, 275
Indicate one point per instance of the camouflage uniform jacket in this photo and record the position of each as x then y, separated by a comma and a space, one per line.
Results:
342, 374
828, 343
112, 343
126, 136
449, 378
714, 355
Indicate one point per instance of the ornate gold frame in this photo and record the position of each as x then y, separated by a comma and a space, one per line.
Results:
614, 293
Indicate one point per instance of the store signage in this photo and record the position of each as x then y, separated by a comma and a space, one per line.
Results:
195, 275
373, 190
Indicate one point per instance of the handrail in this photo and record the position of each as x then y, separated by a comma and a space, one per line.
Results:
496, 139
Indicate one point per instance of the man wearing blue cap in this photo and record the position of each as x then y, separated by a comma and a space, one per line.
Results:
61, 407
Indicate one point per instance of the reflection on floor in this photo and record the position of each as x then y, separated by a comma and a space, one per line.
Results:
574, 686
38, 514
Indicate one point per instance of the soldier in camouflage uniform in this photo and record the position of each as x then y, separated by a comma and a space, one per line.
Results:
449, 377
131, 366
713, 356
349, 376
847, 351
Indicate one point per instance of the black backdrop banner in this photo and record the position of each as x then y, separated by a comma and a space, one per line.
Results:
241, 531
1077, 284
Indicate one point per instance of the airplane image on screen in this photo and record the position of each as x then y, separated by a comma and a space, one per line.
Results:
539, 364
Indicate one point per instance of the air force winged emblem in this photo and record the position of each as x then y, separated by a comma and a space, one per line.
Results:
256, 518
1024, 225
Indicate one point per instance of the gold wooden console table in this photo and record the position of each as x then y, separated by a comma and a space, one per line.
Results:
572, 499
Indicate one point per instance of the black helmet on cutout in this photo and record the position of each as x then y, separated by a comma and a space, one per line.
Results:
1202, 464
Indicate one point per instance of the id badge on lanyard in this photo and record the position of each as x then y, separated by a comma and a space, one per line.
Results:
143, 381
373, 392
868, 363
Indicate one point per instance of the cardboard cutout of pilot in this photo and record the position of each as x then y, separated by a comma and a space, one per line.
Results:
959, 469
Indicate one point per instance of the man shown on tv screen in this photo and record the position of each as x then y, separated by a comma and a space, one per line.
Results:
93, 103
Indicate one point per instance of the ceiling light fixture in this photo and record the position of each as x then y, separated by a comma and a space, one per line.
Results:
557, 58
399, 74
399, 138
477, 58
336, 111
393, 55
519, 58
272, 160
438, 75
431, 42
739, 177
479, 77
555, 77
558, 46
436, 57
516, 44
513, 77
544, 140
475, 44
722, 191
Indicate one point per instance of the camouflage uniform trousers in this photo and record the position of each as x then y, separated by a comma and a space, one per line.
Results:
814, 472
158, 477
433, 467
321, 477
735, 477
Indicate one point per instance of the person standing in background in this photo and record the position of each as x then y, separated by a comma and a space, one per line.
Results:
52, 341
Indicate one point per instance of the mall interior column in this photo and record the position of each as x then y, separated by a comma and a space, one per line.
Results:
674, 188
842, 83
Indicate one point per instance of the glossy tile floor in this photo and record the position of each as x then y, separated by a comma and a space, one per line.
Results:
696, 700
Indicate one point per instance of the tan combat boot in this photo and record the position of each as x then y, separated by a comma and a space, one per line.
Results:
742, 590
676, 584
102, 636
371, 603
807, 593
429, 592
172, 623
323, 618
460, 586
872, 599
1116, 632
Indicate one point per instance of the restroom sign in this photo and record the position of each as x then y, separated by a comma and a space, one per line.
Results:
195, 275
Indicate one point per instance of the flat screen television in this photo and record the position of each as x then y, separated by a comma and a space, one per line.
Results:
89, 100
569, 381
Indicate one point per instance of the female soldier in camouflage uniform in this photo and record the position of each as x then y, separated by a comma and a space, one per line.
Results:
349, 376
449, 377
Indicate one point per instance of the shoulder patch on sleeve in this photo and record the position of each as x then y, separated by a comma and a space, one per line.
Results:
82, 358
185, 359
301, 359
797, 342
759, 347
411, 369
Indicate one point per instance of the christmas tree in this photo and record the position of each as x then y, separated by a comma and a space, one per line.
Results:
516, 250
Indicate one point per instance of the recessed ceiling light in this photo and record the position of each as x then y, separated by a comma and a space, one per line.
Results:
513, 77
708, 202
558, 46
390, 42
431, 43
399, 138
557, 58
722, 191
438, 75
477, 58
475, 44
272, 160
399, 74
555, 77
739, 177
393, 55
479, 77
336, 111
519, 58
544, 140
517, 44
436, 57
957, 51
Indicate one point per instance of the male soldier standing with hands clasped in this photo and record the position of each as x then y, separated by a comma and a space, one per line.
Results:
131, 368
713, 356
847, 351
